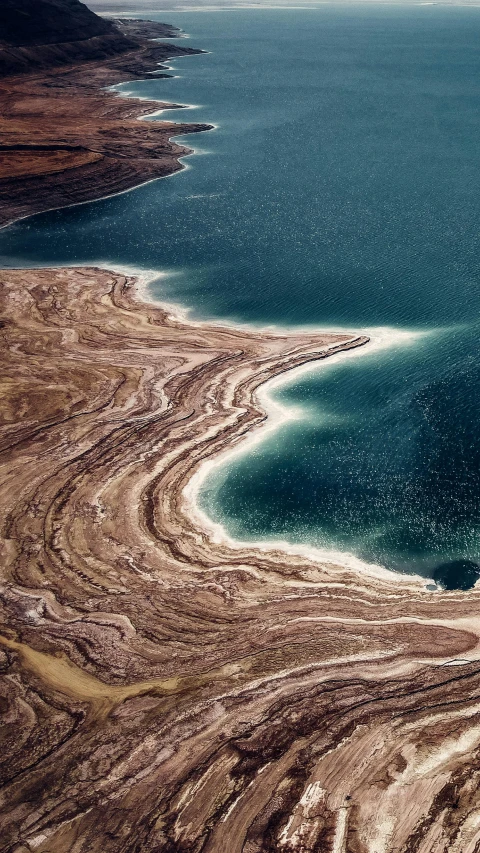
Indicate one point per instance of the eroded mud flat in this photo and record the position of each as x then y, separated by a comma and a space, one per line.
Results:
165, 691
65, 138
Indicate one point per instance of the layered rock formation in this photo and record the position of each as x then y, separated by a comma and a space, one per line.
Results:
64, 140
163, 689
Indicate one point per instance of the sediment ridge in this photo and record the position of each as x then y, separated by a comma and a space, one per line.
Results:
164, 689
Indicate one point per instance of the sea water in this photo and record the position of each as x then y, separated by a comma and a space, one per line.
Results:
340, 189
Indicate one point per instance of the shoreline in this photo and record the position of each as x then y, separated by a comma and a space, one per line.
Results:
158, 645
310, 348
165, 688
276, 415
273, 413
362, 344
104, 146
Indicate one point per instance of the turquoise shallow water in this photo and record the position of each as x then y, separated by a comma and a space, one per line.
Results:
340, 189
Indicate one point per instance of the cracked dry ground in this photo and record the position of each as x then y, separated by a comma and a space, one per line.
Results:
161, 689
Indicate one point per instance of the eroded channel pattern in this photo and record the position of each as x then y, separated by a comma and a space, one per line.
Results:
165, 691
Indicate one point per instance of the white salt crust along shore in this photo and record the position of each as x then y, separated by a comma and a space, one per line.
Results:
189, 690
277, 415
380, 338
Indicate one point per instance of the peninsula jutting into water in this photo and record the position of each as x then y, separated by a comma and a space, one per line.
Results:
167, 686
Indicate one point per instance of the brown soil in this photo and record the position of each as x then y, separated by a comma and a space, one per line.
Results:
19, 164
82, 142
164, 689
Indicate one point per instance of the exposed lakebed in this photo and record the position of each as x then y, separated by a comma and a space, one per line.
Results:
339, 190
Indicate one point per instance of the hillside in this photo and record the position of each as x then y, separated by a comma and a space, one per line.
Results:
39, 22
37, 34
65, 139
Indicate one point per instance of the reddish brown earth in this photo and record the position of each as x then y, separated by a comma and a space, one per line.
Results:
164, 690
63, 117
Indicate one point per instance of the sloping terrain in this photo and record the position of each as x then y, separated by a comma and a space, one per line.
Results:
63, 138
45, 33
34, 22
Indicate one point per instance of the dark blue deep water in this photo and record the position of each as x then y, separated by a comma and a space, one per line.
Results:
341, 188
